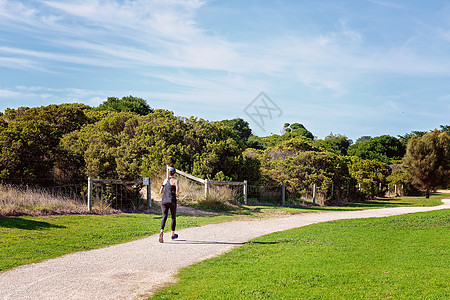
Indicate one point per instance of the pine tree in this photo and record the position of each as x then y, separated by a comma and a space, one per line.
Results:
427, 161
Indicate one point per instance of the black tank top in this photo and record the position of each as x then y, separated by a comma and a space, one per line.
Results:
169, 193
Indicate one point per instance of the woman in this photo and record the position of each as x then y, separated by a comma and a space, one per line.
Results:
170, 190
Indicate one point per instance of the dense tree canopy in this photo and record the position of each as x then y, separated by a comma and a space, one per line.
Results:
125, 138
384, 148
240, 126
127, 104
290, 131
125, 145
427, 161
297, 129
299, 164
29, 140
369, 174
337, 144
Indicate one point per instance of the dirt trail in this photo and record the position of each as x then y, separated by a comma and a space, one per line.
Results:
136, 269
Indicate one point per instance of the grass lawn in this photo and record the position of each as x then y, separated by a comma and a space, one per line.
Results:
401, 257
25, 239
405, 201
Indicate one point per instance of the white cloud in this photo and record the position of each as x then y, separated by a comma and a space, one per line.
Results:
162, 39
39, 95
7, 94
388, 4
20, 63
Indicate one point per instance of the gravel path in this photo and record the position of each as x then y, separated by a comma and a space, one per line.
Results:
136, 269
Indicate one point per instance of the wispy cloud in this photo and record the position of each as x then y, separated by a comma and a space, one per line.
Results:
39, 95
388, 4
165, 34
163, 51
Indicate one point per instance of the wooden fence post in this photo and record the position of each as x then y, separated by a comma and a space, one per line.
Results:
206, 187
89, 200
245, 191
314, 194
283, 193
149, 193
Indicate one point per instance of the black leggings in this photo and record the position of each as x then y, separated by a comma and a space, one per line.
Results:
165, 211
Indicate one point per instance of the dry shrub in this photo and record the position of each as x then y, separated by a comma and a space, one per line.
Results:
15, 202
220, 198
192, 193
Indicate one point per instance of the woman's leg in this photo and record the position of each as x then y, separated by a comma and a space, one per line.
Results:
173, 211
165, 212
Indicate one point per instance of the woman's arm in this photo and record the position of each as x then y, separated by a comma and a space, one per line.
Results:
175, 182
177, 185
162, 186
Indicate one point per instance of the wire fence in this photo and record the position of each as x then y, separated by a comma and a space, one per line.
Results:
117, 194
72, 191
129, 195
284, 195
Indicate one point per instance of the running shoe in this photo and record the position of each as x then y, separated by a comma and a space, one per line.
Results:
175, 236
161, 237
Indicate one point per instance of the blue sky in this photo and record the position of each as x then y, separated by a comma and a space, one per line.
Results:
362, 67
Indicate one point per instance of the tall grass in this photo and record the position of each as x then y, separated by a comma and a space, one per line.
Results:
220, 198
34, 202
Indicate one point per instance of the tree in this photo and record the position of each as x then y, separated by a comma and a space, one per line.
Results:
427, 161
291, 131
105, 149
29, 141
125, 145
297, 129
384, 148
300, 165
369, 174
404, 139
445, 128
363, 138
240, 126
334, 143
126, 104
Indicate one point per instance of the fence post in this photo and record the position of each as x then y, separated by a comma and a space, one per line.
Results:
149, 193
314, 194
206, 187
89, 200
245, 191
283, 193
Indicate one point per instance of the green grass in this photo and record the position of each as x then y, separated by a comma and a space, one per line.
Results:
405, 201
402, 257
434, 200
26, 239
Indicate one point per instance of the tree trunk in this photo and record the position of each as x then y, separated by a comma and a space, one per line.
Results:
427, 194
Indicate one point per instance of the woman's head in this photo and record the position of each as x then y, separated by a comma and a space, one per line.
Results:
172, 171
